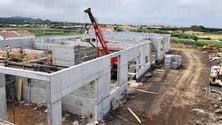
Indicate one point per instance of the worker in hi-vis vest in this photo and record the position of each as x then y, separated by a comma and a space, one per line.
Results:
8, 50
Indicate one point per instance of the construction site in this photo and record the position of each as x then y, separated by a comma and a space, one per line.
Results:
111, 78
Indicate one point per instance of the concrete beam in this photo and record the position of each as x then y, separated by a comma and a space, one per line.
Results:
25, 73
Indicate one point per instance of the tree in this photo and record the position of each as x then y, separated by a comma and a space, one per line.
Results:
197, 28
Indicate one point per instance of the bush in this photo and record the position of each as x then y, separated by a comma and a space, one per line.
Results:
118, 29
184, 36
150, 31
196, 44
204, 38
187, 42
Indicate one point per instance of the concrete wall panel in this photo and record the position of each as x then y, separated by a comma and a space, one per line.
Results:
78, 104
102, 108
23, 43
67, 80
37, 89
123, 74
55, 110
133, 52
103, 88
119, 92
65, 63
3, 108
63, 53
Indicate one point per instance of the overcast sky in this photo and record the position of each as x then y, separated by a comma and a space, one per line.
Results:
137, 12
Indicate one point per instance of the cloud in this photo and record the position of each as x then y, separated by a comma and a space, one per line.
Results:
166, 12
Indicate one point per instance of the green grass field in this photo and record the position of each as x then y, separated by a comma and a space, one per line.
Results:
40, 32
196, 44
211, 36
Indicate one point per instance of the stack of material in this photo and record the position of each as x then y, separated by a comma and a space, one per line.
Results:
33, 54
172, 61
28, 54
2, 54
13, 54
168, 60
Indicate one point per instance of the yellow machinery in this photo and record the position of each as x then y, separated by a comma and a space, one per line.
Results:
211, 49
216, 75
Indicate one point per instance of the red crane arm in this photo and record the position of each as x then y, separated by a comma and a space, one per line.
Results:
97, 31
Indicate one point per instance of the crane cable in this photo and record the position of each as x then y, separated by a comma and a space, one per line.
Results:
84, 28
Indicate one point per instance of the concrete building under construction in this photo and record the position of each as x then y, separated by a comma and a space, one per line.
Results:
64, 73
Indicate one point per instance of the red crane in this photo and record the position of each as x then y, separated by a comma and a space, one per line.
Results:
99, 35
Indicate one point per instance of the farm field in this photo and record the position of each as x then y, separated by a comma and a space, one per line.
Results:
211, 36
41, 32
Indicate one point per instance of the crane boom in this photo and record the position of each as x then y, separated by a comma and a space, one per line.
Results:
97, 31
99, 35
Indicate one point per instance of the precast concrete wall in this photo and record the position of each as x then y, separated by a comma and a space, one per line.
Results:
97, 70
160, 42
3, 107
62, 55
167, 43
62, 84
15, 43
35, 91
81, 101
158, 48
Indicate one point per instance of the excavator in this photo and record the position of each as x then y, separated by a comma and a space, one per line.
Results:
99, 36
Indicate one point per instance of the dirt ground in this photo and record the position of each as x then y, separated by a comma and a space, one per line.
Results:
183, 98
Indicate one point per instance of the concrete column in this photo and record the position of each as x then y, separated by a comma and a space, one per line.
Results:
137, 66
123, 69
142, 56
102, 97
3, 107
54, 109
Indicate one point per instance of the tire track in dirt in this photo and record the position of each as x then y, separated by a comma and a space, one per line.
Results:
177, 90
182, 93
187, 86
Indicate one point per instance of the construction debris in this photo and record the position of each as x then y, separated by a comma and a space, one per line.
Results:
219, 111
199, 111
34, 108
75, 123
140, 90
116, 103
137, 118
213, 91
2, 122
122, 118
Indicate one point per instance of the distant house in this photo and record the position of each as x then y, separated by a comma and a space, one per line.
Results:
102, 29
24, 34
170, 31
194, 32
7, 35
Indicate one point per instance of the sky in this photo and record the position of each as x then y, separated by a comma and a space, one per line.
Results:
135, 12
